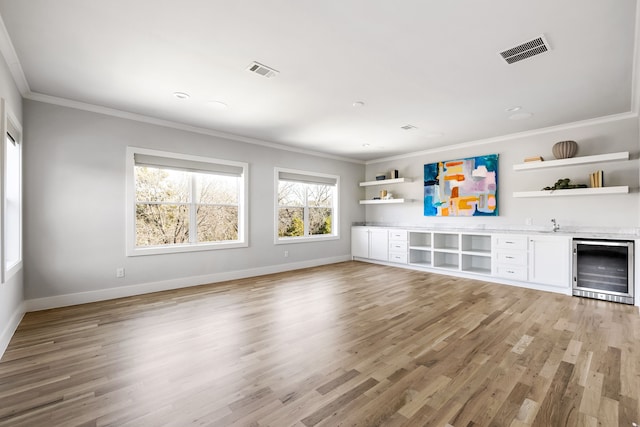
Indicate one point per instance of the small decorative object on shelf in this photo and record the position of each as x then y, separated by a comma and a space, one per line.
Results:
380, 176
533, 159
564, 149
563, 184
596, 179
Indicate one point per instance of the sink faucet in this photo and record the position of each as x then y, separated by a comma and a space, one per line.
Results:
556, 226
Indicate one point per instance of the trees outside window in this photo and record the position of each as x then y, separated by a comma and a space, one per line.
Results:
306, 205
182, 202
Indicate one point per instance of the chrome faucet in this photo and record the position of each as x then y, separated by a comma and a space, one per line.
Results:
556, 226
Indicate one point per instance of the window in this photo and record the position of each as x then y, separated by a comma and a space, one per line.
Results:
306, 206
184, 203
12, 203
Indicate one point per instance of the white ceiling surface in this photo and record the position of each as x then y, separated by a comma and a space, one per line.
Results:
432, 64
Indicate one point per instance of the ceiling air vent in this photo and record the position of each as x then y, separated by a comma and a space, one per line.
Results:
408, 127
526, 50
262, 70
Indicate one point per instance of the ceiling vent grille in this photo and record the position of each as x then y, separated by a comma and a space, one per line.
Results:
526, 50
408, 127
262, 70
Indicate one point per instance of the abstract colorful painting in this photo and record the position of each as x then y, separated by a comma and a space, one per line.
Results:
465, 187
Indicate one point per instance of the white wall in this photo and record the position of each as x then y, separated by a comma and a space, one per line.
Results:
75, 205
11, 292
574, 211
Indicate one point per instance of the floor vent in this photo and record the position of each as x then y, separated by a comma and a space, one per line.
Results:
262, 70
526, 50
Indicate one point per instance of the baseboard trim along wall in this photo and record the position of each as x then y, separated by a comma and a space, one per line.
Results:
11, 327
166, 285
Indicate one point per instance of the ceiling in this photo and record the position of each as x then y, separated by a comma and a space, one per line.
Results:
433, 65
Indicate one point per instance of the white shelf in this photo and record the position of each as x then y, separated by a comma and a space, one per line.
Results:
421, 248
385, 182
574, 192
384, 202
610, 157
477, 270
477, 253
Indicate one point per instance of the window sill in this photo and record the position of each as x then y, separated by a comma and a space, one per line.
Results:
305, 239
161, 250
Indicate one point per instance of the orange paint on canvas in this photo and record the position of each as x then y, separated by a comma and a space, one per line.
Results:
444, 212
456, 177
450, 164
455, 192
466, 202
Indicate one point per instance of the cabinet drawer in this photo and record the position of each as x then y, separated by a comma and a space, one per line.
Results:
512, 258
399, 257
398, 235
511, 242
512, 272
395, 246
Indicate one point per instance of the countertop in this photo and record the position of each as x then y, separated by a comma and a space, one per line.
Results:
608, 233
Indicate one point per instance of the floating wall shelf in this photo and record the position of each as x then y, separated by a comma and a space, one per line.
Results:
574, 192
385, 182
610, 157
383, 202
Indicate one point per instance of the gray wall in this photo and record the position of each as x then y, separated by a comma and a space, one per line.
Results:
11, 292
574, 211
75, 203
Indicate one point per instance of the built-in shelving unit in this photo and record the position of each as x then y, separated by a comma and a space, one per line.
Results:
385, 182
574, 192
383, 201
573, 161
599, 158
467, 252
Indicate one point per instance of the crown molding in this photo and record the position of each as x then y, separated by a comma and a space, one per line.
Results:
508, 137
63, 102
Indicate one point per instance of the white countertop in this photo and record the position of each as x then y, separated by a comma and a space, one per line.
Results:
611, 233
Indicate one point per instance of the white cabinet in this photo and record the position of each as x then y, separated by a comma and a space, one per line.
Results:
379, 244
510, 256
539, 261
370, 242
360, 242
398, 246
549, 260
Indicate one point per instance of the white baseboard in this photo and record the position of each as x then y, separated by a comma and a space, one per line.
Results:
10, 328
165, 285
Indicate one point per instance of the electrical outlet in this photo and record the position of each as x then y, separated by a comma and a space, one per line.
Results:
528, 221
120, 272
286, 254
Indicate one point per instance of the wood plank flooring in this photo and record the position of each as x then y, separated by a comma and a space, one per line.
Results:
349, 344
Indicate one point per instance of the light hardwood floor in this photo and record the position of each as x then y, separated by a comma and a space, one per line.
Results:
339, 345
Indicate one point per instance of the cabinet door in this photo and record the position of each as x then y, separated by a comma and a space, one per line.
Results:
549, 260
379, 244
360, 242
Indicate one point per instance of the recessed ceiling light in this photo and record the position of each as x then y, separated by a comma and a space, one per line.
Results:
181, 95
358, 104
218, 105
365, 145
513, 109
408, 127
520, 116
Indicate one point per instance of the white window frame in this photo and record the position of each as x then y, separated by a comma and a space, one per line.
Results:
335, 220
243, 222
10, 125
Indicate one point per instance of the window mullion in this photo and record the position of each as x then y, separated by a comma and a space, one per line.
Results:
193, 226
306, 212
